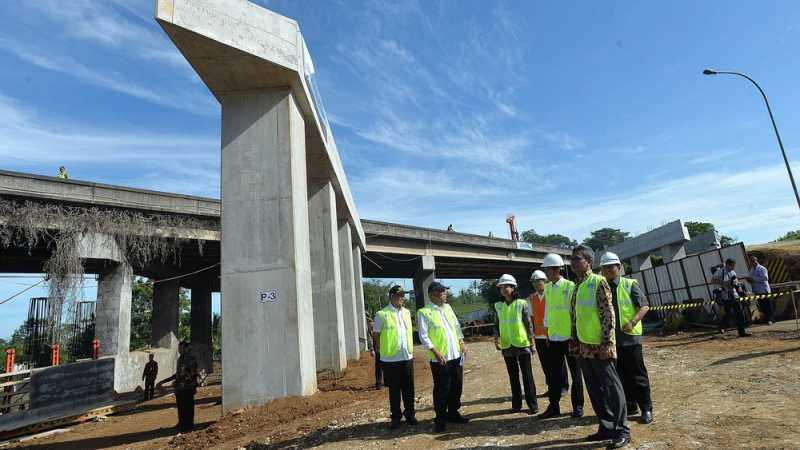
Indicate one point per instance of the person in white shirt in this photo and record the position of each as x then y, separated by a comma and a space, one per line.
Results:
440, 333
728, 298
392, 336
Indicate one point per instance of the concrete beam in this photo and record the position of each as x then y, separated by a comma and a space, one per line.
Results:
349, 308
326, 278
268, 320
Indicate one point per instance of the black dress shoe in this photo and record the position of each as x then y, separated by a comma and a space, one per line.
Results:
395, 424
533, 410
577, 412
597, 437
647, 417
549, 413
516, 409
619, 442
439, 426
412, 420
457, 418
633, 410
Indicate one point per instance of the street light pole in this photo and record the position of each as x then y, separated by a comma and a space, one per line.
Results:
774, 126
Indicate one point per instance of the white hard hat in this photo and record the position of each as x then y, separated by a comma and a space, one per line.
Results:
552, 260
609, 258
538, 275
507, 279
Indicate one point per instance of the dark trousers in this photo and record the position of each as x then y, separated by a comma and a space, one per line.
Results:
733, 309
149, 388
633, 375
543, 351
558, 353
515, 365
607, 396
399, 377
448, 381
767, 308
378, 369
185, 401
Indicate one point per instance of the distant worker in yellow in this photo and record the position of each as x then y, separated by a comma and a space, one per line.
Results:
393, 339
514, 338
62, 173
630, 306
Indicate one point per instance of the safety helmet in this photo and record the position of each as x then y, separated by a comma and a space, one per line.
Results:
609, 258
507, 279
553, 260
538, 275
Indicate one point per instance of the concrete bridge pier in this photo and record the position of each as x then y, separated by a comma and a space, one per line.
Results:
349, 308
326, 278
361, 318
201, 323
423, 278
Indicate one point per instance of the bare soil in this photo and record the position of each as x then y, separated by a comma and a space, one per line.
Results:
710, 391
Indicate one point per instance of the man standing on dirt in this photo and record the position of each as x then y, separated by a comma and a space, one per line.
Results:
149, 376
726, 296
759, 281
394, 339
440, 333
558, 297
593, 343
513, 335
630, 307
185, 387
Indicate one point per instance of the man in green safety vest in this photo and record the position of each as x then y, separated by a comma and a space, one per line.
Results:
558, 298
393, 337
593, 343
630, 307
514, 338
440, 333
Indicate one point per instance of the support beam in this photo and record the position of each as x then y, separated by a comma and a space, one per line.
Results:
326, 281
268, 320
361, 318
113, 310
166, 314
201, 323
348, 291
422, 279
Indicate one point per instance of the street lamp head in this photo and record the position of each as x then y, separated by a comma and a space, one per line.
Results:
709, 72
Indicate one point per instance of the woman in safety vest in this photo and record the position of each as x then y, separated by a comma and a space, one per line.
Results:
513, 336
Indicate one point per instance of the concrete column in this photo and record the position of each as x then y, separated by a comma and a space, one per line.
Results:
201, 323
361, 321
268, 321
349, 308
640, 262
422, 279
326, 280
166, 314
113, 310
673, 251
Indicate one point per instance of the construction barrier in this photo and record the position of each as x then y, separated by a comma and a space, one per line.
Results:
678, 306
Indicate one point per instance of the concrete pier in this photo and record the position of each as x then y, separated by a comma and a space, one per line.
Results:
326, 280
423, 278
113, 310
201, 323
166, 314
361, 320
349, 308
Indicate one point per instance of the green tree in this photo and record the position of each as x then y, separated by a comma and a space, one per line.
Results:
696, 228
790, 236
376, 295
551, 239
727, 240
605, 237
489, 292
142, 314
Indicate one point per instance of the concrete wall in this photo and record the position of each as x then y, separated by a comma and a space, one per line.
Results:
129, 367
80, 383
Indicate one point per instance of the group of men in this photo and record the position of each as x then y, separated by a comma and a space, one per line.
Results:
729, 290
590, 329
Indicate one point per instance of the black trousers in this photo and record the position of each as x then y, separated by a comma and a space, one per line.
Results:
448, 382
399, 377
607, 396
558, 352
543, 351
515, 365
767, 308
733, 309
378, 369
185, 401
149, 388
633, 375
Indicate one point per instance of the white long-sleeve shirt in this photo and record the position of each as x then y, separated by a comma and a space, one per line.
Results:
403, 353
453, 341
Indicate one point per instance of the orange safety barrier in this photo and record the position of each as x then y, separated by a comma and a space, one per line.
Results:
95, 349
56, 355
10, 356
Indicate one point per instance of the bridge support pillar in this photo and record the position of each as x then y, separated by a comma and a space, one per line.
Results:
424, 277
326, 278
349, 308
166, 314
361, 321
201, 323
113, 313
268, 319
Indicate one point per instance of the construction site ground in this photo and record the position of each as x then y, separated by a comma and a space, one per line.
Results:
710, 391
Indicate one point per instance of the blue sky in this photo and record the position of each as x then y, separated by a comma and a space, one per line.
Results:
573, 116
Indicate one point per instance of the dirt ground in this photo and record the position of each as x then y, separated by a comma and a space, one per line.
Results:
709, 391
